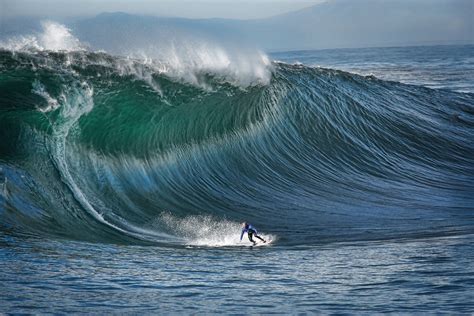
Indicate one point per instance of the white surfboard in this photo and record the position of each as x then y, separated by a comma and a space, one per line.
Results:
260, 243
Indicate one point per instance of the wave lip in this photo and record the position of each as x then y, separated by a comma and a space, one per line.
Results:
190, 60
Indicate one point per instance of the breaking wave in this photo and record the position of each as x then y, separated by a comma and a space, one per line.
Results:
180, 150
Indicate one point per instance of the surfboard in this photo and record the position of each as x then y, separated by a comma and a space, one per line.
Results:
261, 243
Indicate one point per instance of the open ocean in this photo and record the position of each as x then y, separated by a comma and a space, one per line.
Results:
123, 182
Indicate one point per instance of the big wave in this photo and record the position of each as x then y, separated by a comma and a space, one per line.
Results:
178, 151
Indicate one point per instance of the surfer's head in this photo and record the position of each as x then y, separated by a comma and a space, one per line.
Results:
244, 224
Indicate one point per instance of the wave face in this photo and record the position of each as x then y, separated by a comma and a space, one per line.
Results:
109, 149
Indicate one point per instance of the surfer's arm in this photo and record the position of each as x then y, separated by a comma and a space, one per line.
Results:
242, 234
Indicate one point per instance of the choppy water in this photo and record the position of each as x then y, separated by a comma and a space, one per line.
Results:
423, 275
438, 67
123, 183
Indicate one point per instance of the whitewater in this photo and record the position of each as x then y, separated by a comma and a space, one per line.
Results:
124, 178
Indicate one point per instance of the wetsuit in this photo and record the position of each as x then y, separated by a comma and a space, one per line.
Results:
251, 231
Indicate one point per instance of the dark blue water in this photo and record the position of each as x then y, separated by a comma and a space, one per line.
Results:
123, 186
450, 67
404, 276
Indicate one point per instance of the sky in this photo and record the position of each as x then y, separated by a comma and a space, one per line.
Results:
234, 9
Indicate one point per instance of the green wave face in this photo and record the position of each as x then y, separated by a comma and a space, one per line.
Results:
136, 113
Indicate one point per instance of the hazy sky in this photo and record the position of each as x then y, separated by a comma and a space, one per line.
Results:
237, 9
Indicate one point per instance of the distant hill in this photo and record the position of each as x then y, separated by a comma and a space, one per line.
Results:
364, 23
333, 24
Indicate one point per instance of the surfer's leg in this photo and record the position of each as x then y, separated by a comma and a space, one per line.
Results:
250, 238
257, 236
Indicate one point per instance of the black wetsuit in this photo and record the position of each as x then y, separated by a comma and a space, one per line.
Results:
251, 231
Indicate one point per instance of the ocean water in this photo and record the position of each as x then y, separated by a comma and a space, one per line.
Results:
438, 67
123, 181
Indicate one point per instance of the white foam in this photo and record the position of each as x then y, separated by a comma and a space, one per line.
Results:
190, 60
53, 37
186, 58
208, 231
58, 37
40, 89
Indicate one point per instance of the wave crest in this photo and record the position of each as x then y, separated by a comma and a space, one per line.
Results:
53, 37
188, 59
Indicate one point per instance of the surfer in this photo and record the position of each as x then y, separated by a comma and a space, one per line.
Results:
251, 231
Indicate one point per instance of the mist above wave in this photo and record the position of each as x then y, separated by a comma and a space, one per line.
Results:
186, 57
52, 37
